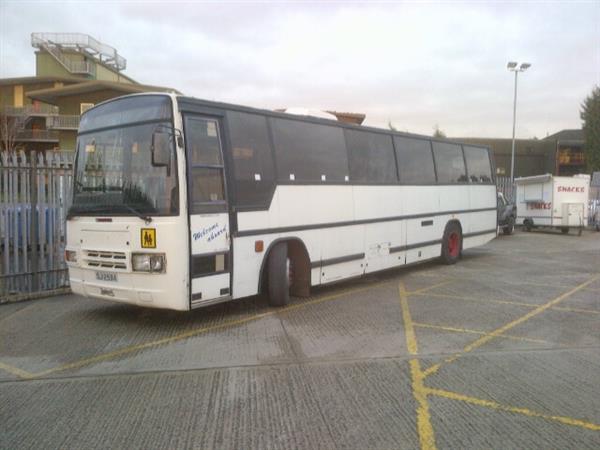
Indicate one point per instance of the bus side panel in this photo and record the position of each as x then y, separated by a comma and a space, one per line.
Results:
482, 197
423, 233
382, 240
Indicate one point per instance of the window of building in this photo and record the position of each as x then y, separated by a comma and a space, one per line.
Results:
415, 161
478, 164
253, 168
449, 163
309, 152
370, 157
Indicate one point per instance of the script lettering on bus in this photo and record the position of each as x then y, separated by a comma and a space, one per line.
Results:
210, 233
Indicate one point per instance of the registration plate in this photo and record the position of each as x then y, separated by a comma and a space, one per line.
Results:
106, 276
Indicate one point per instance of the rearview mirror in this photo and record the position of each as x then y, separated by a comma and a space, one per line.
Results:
161, 150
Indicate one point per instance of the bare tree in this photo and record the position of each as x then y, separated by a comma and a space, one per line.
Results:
10, 124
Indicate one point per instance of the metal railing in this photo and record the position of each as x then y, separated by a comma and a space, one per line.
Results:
36, 109
79, 67
63, 122
107, 54
37, 135
35, 193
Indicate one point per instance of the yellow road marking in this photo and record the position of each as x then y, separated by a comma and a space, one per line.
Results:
480, 332
197, 331
16, 371
507, 302
518, 410
428, 288
498, 331
424, 428
575, 310
511, 283
134, 348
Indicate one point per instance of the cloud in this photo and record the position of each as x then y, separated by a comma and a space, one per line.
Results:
414, 64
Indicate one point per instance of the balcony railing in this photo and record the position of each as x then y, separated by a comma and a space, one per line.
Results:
79, 41
31, 110
62, 122
37, 136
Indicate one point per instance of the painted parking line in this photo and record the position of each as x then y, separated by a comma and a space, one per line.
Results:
424, 427
195, 332
508, 302
480, 332
513, 409
501, 330
20, 373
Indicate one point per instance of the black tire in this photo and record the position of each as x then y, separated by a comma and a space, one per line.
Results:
451, 243
564, 230
278, 277
528, 225
580, 232
509, 227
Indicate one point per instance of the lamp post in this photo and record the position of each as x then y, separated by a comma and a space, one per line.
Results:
516, 68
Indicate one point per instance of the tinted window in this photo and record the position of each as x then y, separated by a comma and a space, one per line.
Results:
415, 162
205, 148
127, 110
309, 152
449, 163
203, 145
371, 157
252, 158
478, 164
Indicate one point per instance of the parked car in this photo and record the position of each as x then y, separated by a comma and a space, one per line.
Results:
507, 214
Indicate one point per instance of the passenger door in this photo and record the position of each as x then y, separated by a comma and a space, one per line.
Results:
210, 261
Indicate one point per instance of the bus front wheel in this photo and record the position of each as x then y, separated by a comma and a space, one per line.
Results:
451, 243
279, 271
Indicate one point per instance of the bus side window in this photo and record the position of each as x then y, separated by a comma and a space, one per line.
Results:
308, 151
449, 163
415, 160
370, 157
478, 164
253, 167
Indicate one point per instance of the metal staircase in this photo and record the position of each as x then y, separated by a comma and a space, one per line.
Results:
57, 43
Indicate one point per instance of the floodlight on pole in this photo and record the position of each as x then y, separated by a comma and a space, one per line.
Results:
512, 67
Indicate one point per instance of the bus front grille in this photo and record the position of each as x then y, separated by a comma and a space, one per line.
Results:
100, 259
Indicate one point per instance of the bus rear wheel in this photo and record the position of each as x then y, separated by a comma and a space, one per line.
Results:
279, 274
451, 243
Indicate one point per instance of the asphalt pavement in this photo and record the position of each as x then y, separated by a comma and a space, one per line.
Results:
499, 351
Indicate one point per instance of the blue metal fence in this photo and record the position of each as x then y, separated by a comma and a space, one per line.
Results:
35, 191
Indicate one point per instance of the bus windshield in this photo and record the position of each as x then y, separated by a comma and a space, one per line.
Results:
115, 173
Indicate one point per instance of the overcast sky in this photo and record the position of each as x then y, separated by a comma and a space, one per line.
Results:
416, 64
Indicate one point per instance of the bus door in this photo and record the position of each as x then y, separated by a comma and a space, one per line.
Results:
210, 259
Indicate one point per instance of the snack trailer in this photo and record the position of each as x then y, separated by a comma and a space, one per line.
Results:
553, 202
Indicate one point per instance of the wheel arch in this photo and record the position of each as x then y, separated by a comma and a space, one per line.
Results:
299, 253
457, 222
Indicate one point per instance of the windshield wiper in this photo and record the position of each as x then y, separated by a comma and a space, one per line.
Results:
138, 213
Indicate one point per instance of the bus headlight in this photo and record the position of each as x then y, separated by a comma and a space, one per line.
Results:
148, 262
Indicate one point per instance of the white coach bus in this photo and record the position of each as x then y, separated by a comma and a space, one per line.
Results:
180, 203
